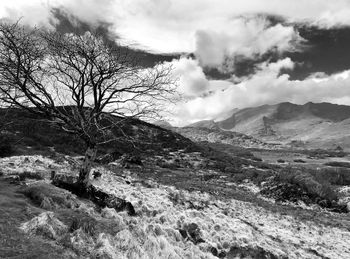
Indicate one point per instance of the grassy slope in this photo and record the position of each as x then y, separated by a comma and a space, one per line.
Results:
15, 209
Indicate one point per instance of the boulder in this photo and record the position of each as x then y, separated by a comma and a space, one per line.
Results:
192, 232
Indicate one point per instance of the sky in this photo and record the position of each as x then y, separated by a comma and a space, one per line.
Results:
226, 53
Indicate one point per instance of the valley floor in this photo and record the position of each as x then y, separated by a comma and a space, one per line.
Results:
178, 216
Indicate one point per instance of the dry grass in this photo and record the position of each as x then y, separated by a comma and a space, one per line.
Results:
14, 210
49, 197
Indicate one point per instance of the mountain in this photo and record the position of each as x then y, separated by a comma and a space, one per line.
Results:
163, 123
217, 135
316, 125
209, 124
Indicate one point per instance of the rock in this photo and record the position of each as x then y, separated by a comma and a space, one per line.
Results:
214, 251
222, 254
108, 158
128, 160
251, 252
26, 160
324, 204
97, 196
59, 179
183, 233
192, 232
31, 175
97, 174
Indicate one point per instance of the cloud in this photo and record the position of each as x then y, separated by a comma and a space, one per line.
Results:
267, 86
244, 36
218, 34
39, 12
175, 25
192, 81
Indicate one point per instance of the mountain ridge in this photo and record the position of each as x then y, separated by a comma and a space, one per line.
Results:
316, 125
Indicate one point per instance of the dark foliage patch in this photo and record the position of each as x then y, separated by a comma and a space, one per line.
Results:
338, 164
6, 146
299, 161
86, 223
251, 252
294, 185
132, 137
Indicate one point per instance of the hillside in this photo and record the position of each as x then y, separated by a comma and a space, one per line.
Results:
28, 132
175, 194
209, 124
217, 135
312, 125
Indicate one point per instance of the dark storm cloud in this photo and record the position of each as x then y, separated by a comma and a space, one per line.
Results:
325, 50
65, 22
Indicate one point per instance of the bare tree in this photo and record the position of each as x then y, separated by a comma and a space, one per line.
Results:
78, 82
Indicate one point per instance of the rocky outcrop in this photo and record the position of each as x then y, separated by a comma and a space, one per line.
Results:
99, 197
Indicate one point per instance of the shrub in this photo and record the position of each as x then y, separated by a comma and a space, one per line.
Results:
332, 175
338, 164
30, 175
299, 161
258, 159
86, 223
308, 183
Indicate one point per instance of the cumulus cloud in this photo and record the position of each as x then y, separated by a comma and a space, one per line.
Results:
244, 36
174, 25
267, 86
192, 81
218, 33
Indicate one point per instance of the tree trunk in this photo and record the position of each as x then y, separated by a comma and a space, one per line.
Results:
84, 174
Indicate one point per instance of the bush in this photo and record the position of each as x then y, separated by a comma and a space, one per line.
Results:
30, 175
332, 175
305, 187
258, 159
338, 164
298, 177
87, 224
299, 161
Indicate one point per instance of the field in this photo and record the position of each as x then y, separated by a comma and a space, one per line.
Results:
213, 203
